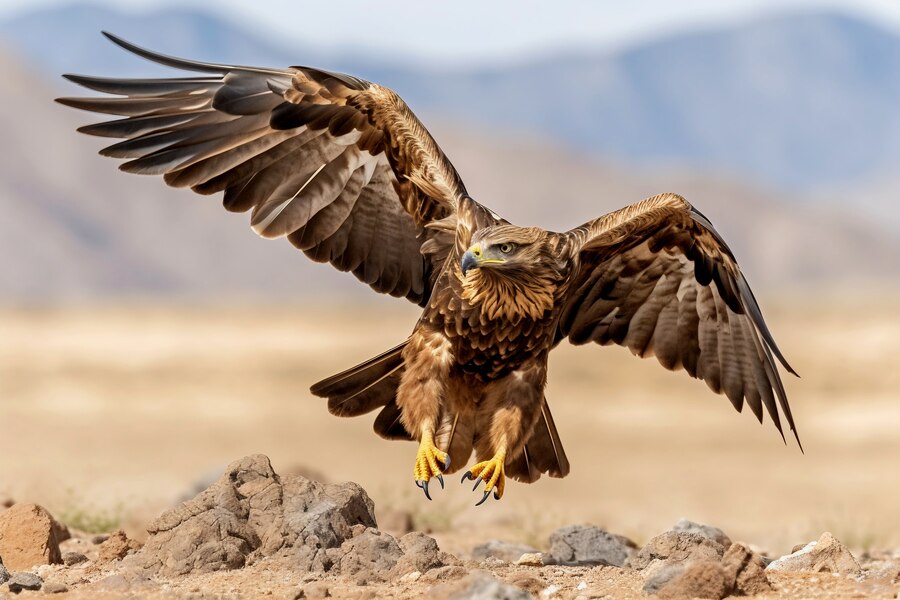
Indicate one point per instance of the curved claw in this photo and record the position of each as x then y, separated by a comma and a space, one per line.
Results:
467, 475
440, 478
483, 498
447, 463
424, 486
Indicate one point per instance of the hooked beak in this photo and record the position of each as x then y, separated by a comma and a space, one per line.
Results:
469, 261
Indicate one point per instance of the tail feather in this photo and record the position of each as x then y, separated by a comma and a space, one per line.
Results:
543, 452
365, 387
388, 425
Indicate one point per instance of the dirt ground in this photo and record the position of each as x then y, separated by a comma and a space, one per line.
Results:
114, 413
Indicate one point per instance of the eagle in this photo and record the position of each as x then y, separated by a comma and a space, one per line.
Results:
344, 170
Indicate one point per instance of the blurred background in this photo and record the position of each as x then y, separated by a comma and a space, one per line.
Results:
147, 337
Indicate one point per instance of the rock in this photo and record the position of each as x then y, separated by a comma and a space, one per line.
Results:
505, 551
99, 539
73, 558
373, 553
713, 533
24, 581
251, 512
589, 545
62, 531
661, 576
313, 590
824, 555
113, 583
28, 537
702, 579
531, 559
447, 573
54, 587
478, 585
116, 547
675, 547
395, 521
4, 574
746, 570
420, 553
411, 577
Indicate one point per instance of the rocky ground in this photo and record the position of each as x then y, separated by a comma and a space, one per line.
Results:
254, 533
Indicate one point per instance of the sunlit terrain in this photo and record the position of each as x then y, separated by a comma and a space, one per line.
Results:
119, 410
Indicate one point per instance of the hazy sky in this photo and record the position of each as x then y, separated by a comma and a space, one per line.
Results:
467, 29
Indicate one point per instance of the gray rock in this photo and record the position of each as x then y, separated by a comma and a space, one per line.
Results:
55, 587
676, 547
24, 581
251, 512
713, 533
589, 545
825, 554
505, 551
4, 574
420, 553
73, 558
372, 553
478, 585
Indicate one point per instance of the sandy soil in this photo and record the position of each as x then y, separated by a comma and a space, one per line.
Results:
119, 410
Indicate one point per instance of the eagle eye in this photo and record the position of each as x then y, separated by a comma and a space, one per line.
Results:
507, 248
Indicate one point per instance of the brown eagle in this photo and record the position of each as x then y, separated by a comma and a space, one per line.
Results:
343, 169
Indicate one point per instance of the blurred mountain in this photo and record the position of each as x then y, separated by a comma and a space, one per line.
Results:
805, 101
74, 227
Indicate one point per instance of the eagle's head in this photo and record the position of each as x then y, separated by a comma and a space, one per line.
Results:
512, 272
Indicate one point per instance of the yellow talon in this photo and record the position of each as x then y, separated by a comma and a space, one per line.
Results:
427, 463
492, 472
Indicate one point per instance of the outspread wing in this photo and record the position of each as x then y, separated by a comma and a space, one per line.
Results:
657, 278
338, 165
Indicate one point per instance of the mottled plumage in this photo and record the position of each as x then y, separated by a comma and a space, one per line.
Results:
344, 170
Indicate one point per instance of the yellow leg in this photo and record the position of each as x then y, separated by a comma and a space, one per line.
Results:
492, 473
427, 463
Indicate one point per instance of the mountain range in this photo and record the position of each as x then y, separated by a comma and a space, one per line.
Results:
802, 101
75, 228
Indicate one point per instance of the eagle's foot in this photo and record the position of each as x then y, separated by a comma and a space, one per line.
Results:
427, 464
492, 473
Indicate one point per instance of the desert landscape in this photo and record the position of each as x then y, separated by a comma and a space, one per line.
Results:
125, 411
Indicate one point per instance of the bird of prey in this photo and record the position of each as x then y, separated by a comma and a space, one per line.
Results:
345, 171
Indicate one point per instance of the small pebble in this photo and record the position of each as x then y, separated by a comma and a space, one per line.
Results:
410, 577
99, 539
531, 559
73, 558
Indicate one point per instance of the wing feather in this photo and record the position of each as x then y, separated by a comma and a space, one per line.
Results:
657, 278
338, 165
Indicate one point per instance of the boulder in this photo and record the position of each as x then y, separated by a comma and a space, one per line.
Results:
824, 555
701, 579
589, 545
28, 537
676, 547
746, 571
713, 533
505, 551
251, 512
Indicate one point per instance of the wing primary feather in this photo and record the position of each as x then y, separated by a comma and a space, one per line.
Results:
181, 63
